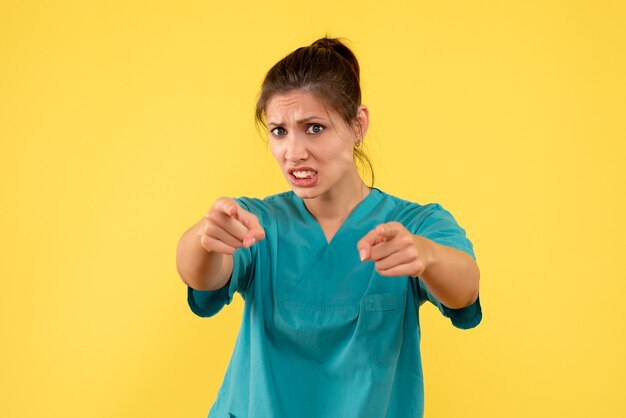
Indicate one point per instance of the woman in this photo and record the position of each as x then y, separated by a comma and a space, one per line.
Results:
332, 272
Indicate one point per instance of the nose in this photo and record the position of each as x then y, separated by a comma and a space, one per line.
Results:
295, 149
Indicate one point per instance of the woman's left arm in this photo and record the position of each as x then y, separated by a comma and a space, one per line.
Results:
450, 275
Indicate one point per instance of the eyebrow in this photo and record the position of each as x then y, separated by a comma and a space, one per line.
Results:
299, 122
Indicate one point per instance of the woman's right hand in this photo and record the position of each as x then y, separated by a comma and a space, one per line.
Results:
227, 226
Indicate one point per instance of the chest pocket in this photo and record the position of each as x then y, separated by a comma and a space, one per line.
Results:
382, 317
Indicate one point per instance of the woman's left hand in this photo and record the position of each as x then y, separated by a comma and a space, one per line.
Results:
395, 251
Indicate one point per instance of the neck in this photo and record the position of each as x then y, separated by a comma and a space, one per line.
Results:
338, 203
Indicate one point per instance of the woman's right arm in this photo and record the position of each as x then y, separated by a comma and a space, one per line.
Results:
198, 268
204, 258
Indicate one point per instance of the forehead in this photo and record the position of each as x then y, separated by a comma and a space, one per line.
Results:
294, 104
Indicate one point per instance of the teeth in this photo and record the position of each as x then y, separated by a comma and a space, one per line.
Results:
303, 174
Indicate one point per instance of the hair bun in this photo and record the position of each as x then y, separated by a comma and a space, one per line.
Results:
329, 43
335, 44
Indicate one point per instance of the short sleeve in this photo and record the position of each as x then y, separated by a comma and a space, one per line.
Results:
463, 318
439, 226
206, 303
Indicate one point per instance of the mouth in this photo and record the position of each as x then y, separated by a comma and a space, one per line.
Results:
302, 173
303, 177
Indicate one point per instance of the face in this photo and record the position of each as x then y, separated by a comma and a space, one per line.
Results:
312, 145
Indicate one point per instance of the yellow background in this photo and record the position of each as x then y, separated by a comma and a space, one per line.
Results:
121, 122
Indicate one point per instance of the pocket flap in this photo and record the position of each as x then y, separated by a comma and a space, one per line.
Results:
384, 301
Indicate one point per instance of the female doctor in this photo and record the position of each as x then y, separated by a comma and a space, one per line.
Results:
332, 272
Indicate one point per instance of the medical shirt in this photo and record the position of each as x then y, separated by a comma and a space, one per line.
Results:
323, 334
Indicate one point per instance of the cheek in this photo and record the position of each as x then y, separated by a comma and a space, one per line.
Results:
338, 150
347, 155
276, 151
339, 158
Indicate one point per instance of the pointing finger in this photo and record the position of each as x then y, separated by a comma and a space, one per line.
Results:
366, 243
226, 205
389, 230
243, 224
228, 223
382, 250
255, 232
224, 234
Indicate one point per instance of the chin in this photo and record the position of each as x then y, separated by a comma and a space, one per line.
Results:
303, 193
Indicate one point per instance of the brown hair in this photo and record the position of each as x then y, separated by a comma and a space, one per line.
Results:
327, 69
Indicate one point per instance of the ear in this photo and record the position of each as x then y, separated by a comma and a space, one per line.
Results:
361, 123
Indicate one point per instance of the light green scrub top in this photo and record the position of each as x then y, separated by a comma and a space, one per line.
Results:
323, 334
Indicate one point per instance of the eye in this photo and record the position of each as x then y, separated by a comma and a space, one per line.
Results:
315, 129
278, 132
